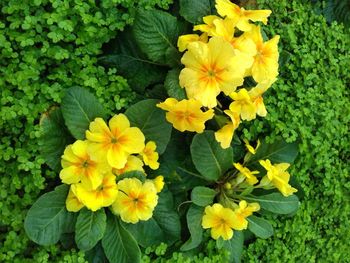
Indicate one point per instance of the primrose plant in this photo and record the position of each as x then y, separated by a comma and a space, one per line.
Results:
176, 164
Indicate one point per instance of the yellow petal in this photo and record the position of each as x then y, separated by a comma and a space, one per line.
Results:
132, 140
117, 157
118, 124
79, 148
70, 175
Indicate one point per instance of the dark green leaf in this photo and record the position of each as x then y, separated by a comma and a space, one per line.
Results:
276, 203
46, 219
55, 138
194, 223
172, 85
118, 244
208, 157
278, 152
260, 227
96, 255
89, 228
203, 196
155, 31
131, 63
67, 240
194, 10
235, 246
79, 108
151, 120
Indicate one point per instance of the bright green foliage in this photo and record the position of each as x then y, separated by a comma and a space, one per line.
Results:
47, 46
310, 101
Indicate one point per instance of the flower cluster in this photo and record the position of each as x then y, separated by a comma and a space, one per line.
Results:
229, 50
92, 167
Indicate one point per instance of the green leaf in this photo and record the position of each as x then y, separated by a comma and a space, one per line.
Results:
276, 203
155, 32
203, 196
235, 246
167, 218
172, 85
278, 152
55, 138
118, 244
131, 63
151, 120
132, 174
79, 108
208, 157
47, 218
194, 223
96, 255
260, 227
194, 10
89, 228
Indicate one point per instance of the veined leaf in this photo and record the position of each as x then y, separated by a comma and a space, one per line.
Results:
194, 10
172, 85
194, 223
260, 227
203, 196
235, 246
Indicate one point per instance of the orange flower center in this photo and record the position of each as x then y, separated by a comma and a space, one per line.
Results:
114, 140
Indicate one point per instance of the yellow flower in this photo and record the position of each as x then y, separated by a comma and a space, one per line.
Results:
211, 68
256, 96
115, 142
243, 105
73, 204
265, 66
250, 148
221, 221
159, 183
103, 196
278, 176
184, 40
249, 175
150, 156
135, 201
78, 166
133, 164
208, 26
225, 134
233, 11
242, 212
186, 115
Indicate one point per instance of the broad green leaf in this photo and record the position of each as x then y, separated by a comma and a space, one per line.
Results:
203, 196
260, 227
156, 92
208, 157
186, 177
172, 85
96, 254
79, 108
276, 203
55, 138
155, 32
278, 152
131, 63
118, 244
89, 228
151, 120
47, 218
132, 174
166, 217
235, 246
194, 10
194, 223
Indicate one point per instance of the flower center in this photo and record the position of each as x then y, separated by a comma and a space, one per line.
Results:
211, 73
85, 164
113, 140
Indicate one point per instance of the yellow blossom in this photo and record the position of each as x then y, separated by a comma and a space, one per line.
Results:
159, 183
249, 175
150, 156
115, 142
184, 40
278, 176
243, 105
103, 196
225, 134
78, 166
135, 201
133, 164
250, 148
242, 212
211, 68
256, 96
221, 221
233, 11
208, 27
186, 115
265, 66
73, 204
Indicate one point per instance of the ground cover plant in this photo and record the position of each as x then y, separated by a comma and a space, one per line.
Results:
321, 170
